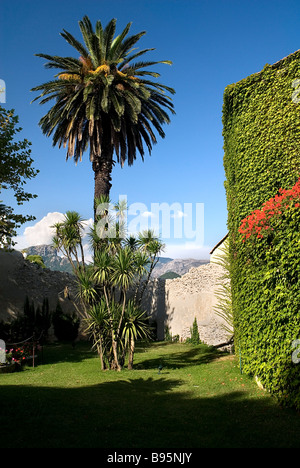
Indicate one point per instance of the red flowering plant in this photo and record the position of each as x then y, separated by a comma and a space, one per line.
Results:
267, 293
260, 222
18, 354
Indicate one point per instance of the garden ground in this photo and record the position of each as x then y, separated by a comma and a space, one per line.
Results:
200, 399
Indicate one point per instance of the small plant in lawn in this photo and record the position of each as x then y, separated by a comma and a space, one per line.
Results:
195, 337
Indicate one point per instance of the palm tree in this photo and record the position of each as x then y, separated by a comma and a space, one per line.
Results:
105, 100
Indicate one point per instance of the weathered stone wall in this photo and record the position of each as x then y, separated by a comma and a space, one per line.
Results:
20, 278
175, 303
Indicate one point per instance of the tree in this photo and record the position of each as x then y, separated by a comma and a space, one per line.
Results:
135, 326
37, 259
152, 246
68, 240
105, 100
195, 337
113, 318
15, 170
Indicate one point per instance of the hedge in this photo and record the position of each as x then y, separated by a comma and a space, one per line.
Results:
261, 131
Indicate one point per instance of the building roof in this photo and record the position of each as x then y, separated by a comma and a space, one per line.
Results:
218, 244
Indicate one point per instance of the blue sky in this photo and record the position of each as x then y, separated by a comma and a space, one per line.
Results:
211, 44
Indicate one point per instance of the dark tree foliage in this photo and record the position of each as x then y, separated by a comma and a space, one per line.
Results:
15, 170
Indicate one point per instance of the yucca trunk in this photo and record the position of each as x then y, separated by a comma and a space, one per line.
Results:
100, 352
131, 353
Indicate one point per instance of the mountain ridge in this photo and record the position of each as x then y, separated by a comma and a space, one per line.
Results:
164, 265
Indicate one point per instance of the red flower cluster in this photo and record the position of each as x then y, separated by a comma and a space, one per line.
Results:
18, 354
259, 220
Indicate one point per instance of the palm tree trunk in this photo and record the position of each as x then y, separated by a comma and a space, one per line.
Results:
102, 168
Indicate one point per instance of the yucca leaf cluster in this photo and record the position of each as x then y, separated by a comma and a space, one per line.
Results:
111, 287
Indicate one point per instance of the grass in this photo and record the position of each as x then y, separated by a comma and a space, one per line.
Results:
199, 400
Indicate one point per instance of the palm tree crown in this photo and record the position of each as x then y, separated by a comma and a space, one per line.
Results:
104, 99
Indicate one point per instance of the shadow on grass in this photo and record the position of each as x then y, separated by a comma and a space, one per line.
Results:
196, 355
166, 356
65, 352
139, 412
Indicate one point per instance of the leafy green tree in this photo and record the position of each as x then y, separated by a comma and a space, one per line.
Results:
37, 259
7, 225
105, 99
15, 170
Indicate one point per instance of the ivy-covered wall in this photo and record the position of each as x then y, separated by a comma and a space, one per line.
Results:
261, 131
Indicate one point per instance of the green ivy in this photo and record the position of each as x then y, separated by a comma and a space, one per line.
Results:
261, 130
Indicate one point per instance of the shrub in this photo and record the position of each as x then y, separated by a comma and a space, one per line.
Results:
195, 337
168, 334
34, 321
65, 325
37, 259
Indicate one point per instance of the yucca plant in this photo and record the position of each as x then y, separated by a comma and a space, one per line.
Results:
97, 326
152, 246
136, 326
108, 286
105, 99
68, 239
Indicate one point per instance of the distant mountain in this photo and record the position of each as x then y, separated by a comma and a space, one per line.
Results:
180, 266
165, 259
165, 264
50, 257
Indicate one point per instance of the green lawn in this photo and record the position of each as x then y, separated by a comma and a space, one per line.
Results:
199, 400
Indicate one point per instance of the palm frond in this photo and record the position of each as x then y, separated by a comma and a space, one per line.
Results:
105, 93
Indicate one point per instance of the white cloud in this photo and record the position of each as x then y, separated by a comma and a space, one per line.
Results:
41, 232
179, 214
147, 214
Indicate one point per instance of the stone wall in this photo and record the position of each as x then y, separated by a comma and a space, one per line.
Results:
20, 278
175, 303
